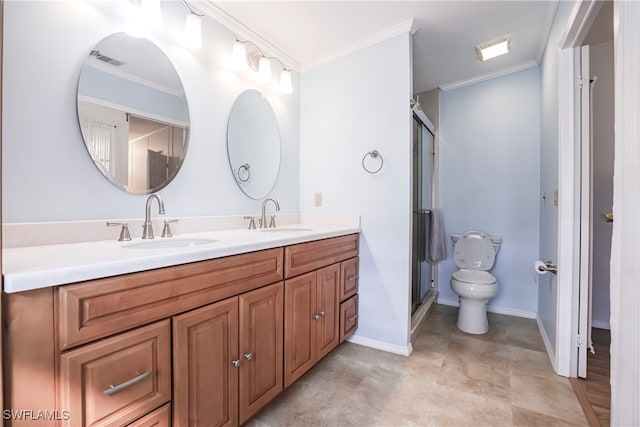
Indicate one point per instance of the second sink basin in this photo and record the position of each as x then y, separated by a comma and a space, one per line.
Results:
170, 243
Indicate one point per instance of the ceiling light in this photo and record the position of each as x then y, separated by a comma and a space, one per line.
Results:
492, 48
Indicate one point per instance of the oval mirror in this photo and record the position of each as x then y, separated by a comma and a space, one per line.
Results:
133, 113
253, 144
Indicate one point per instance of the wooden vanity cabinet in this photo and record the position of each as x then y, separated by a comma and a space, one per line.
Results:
227, 359
313, 287
203, 344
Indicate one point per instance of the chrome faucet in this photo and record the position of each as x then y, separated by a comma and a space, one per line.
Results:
147, 227
263, 217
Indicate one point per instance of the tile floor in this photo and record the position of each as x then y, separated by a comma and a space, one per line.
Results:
503, 378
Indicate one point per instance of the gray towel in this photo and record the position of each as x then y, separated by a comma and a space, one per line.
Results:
437, 248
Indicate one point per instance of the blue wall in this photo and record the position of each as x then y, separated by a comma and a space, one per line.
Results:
490, 180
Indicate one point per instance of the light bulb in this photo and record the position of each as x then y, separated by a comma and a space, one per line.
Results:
151, 14
264, 70
192, 36
285, 82
239, 56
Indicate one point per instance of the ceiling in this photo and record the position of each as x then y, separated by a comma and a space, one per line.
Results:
307, 34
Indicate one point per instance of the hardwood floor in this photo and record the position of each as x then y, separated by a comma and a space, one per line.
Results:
594, 392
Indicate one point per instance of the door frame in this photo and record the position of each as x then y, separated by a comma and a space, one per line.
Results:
569, 188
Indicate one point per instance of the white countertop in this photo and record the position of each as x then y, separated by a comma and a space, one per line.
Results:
34, 267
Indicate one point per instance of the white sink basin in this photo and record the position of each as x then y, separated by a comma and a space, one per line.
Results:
170, 243
284, 230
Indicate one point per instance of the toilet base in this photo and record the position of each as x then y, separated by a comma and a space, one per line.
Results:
472, 316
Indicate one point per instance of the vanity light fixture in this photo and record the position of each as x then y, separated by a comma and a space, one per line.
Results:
259, 62
192, 35
151, 14
495, 47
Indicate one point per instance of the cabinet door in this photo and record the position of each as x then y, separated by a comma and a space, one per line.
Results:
261, 341
327, 311
205, 385
348, 278
299, 326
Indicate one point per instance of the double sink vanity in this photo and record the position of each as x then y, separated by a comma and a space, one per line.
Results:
199, 329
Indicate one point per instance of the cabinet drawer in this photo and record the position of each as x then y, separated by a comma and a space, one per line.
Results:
161, 417
348, 317
99, 308
119, 379
348, 278
309, 256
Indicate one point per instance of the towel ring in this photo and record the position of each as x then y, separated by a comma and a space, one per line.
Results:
374, 154
246, 167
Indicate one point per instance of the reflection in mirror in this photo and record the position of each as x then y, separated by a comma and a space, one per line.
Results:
253, 144
133, 113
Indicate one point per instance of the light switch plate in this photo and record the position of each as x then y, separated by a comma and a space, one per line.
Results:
317, 200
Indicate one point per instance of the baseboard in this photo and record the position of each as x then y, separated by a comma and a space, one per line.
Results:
382, 345
600, 324
496, 310
547, 344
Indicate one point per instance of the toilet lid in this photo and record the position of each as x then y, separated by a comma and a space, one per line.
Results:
477, 277
474, 251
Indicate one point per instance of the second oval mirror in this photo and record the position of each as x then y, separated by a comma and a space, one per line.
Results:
253, 144
133, 113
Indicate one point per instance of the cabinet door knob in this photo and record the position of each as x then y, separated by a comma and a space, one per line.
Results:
248, 356
236, 363
322, 314
315, 316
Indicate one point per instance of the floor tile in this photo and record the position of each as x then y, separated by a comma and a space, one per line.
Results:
502, 378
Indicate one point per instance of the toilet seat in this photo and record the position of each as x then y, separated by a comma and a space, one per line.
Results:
474, 251
476, 277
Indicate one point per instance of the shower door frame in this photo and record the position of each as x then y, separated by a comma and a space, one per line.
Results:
424, 123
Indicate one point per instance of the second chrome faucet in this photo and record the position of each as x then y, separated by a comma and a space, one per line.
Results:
147, 227
263, 217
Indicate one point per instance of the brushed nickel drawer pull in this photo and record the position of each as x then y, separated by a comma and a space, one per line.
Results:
352, 278
116, 388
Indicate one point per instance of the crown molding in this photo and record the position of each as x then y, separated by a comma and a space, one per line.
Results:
545, 31
477, 79
407, 26
243, 32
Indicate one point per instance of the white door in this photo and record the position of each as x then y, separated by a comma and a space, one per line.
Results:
584, 310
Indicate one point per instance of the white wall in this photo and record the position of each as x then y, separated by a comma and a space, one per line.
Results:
601, 66
490, 179
349, 107
47, 172
549, 136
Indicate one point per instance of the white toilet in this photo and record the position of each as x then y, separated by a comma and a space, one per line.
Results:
474, 253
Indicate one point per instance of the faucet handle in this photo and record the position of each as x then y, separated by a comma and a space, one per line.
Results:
272, 223
252, 222
125, 236
166, 230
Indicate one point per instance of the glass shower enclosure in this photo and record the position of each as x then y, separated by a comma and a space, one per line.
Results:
422, 280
